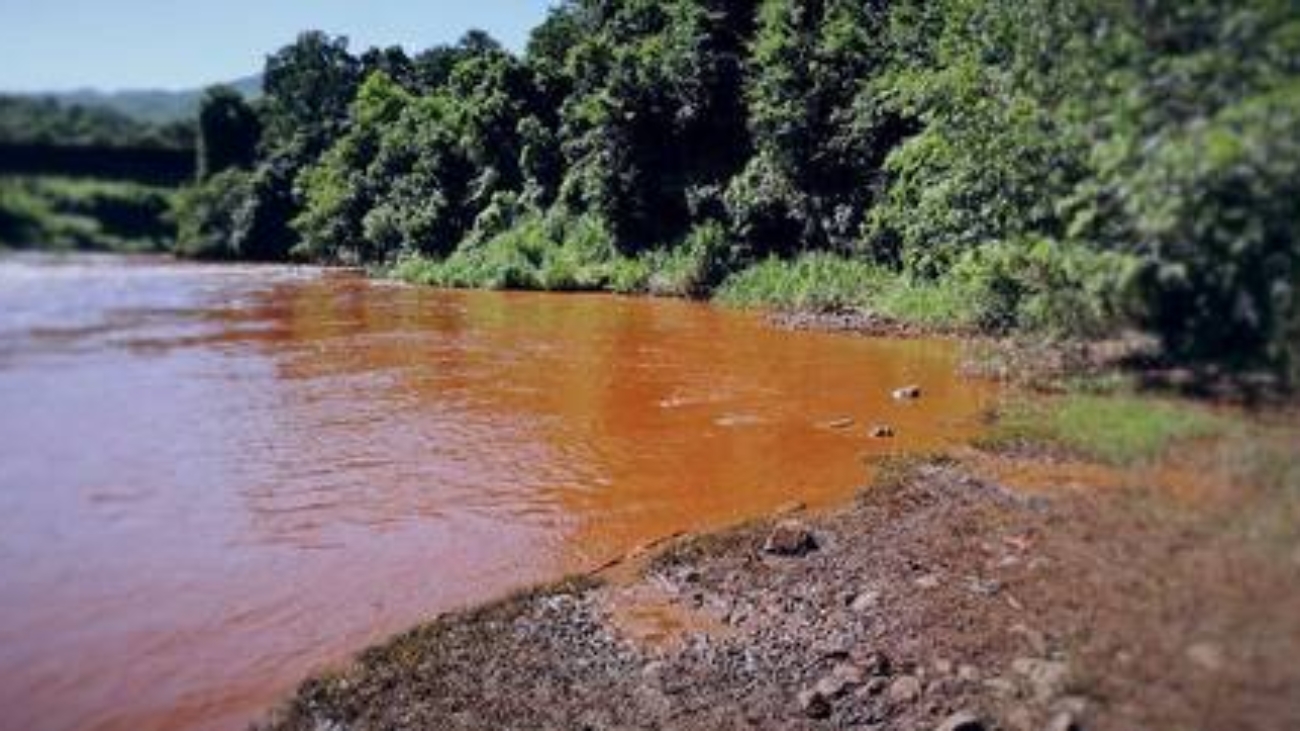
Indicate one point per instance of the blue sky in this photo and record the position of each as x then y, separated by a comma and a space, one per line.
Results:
173, 44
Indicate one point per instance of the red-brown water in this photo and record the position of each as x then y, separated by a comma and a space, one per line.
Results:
216, 480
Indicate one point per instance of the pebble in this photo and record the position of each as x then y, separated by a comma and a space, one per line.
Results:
962, 721
864, 601
1046, 677
882, 431
905, 689
790, 538
813, 704
1063, 721
907, 393
1206, 655
929, 581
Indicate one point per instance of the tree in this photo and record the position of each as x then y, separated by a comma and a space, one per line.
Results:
309, 87
229, 131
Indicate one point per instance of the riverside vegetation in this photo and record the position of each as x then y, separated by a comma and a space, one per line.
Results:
1070, 168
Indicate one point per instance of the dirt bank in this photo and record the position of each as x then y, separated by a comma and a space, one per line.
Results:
939, 597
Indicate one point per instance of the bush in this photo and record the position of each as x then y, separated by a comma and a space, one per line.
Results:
694, 267
813, 281
212, 215
1046, 286
1217, 214
57, 213
552, 251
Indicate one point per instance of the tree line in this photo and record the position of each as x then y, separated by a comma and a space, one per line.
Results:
1073, 166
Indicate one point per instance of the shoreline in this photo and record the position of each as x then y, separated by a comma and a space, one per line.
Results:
940, 597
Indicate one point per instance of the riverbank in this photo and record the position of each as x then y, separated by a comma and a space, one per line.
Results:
1040, 581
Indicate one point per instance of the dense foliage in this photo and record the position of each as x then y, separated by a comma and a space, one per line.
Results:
55, 213
1069, 166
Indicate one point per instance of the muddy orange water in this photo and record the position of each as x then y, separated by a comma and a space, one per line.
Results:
216, 480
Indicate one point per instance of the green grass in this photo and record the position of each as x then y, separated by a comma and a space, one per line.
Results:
1118, 430
541, 252
66, 214
830, 282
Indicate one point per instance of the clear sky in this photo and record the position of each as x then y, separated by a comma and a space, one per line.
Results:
172, 44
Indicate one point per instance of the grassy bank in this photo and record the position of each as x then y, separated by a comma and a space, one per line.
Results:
64, 214
1057, 291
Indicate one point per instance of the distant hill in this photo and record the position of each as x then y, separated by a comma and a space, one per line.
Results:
148, 105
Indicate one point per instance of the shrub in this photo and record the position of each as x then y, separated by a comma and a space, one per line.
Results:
1217, 214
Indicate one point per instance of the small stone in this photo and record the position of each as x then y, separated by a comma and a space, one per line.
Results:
907, 393
875, 664
968, 673
1020, 719
905, 689
814, 705
943, 667
849, 673
832, 686
984, 587
1063, 721
1001, 687
1046, 677
876, 686
929, 581
1206, 655
882, 431
962, 721
844, 423
790, 538
864, 601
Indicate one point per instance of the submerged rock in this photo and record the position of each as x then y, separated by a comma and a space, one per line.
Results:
907, 393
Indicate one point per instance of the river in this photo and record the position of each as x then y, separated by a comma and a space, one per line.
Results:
215, 480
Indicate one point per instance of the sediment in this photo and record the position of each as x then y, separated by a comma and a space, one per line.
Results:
938, 599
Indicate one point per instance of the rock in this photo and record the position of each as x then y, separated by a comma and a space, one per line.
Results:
832, 686
962, 721
875, 664
905, 689
882, 431
943, 667
1206, 655
929, 581
849, 674
1001, 687
907, 393
844, 423
864, 601
1063, 721
1046, 677
790, 538
983, 587
968, 673
876, 686
813, 704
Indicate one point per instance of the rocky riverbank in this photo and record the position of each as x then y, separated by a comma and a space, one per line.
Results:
940, 599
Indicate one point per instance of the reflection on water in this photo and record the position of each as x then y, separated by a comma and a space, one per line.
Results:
216, 479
